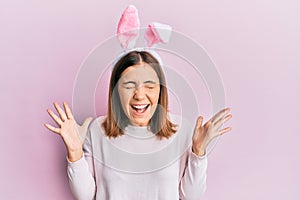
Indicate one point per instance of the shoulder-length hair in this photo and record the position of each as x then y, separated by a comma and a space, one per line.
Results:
116, 120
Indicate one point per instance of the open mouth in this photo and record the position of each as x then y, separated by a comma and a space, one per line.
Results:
140, 108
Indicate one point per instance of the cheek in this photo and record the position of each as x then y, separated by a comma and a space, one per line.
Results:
124, 97
154, 95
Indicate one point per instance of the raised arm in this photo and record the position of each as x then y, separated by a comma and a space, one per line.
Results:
79, 160
193, 182
81, 174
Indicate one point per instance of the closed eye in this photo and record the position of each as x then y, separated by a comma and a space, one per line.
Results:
150, 86
129, 88
129, 85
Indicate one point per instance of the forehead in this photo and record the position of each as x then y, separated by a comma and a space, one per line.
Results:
141, 72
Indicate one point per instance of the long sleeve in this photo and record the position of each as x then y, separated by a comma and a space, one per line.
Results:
81, 174
193, 182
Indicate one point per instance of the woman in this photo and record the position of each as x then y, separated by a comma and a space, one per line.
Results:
137, 121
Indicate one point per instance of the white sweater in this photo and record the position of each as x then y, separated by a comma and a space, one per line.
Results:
138, 166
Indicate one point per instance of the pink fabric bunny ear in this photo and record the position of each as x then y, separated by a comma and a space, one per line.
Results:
157, 33
128, 27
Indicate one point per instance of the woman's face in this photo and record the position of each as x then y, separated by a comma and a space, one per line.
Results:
139, 89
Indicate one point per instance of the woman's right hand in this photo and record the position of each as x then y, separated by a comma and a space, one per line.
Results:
72, 134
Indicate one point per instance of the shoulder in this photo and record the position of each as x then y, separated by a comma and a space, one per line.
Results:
174, 118
181, 122
97, 121
185, 130
96, 125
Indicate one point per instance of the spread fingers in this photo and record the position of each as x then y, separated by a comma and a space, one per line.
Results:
61, 112
225, 130
221, 121
53, 129
68, 111
55, 117
220, 114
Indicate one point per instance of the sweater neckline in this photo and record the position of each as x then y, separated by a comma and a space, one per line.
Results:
138, 131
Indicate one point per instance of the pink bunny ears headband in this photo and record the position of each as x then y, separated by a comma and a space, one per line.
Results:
128, 32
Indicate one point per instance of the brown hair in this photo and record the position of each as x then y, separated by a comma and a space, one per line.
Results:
116, 120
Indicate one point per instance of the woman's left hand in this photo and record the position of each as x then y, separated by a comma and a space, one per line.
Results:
203, 135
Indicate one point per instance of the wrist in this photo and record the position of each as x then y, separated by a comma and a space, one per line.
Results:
74, 155
198, 151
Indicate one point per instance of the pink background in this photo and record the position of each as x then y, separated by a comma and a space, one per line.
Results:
254, 44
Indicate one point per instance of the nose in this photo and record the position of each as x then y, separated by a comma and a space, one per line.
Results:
139, 93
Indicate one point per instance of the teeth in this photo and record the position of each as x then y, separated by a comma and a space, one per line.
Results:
140, 106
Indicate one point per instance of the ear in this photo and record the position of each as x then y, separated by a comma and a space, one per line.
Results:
128, 27
157, 33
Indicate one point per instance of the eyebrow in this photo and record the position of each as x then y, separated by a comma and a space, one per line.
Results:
152, 82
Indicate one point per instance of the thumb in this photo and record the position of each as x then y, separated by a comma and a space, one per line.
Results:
86, 122
199, 122
83, 128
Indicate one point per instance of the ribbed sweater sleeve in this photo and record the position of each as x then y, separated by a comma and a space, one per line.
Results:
81, 174
193, 182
